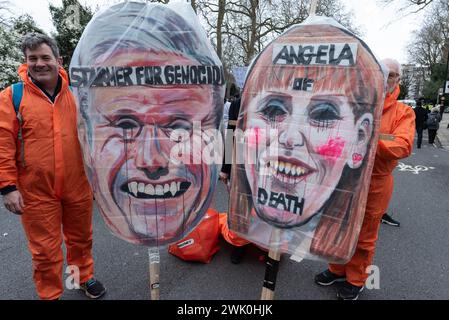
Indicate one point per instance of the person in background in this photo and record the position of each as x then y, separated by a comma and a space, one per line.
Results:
420, 121
226, 106
441, 110
433, 123
239, 244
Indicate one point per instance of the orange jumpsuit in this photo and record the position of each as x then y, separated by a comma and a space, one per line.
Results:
397, 120
227, 234
53, 183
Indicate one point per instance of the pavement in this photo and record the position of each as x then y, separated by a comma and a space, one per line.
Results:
442, 138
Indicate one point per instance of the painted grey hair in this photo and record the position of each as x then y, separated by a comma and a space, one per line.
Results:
132, 26
152, 28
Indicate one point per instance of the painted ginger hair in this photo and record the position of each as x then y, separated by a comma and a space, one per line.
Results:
342, 214
359, 83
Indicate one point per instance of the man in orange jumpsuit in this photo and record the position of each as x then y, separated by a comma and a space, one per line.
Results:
397, 130
42, 177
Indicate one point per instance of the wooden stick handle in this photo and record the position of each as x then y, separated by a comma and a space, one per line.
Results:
154, 269
272, 266
271, 271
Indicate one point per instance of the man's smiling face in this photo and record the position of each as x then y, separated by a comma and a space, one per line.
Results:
43, 66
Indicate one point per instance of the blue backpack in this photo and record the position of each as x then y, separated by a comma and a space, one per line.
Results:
17, 93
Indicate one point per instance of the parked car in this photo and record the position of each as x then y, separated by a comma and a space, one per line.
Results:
411, 103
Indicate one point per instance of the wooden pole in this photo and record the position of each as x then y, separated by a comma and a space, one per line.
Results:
272, 266
154, 269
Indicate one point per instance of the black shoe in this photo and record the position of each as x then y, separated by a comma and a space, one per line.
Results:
390, 221
347, 291
93, 288
237, 254
326, 278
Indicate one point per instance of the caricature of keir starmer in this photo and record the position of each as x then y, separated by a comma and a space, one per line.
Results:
142, 73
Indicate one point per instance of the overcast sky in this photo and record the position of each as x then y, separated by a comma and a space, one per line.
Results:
383, 32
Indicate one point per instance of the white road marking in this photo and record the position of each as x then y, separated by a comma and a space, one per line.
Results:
415, 170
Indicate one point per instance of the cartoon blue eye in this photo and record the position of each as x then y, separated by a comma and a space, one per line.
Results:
180, 125
130, 126
274, 110
324, 114
127, 123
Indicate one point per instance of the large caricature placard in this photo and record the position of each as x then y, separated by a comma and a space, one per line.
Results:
150, 94
306, 142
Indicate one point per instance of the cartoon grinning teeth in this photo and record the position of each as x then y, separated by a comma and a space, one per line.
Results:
281, 166
159, 190
294, 171
141, 190
173, 188
149, 190
288, 168
133, 188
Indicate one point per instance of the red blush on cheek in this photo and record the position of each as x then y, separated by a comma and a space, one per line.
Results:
256, 136
332, 150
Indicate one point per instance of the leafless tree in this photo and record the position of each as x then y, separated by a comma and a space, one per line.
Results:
409, 6
192, 2
4, 12
430, 44
241, 28
407, 80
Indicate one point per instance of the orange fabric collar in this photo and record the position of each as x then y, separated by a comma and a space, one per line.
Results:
391, 98
23, 73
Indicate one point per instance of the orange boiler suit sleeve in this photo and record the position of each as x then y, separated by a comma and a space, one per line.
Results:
9, 128
402, 145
